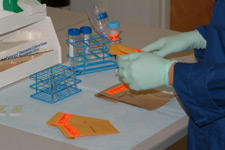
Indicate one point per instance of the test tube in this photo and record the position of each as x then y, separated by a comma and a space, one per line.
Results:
114, 31
86, 33
73, 34
114, 34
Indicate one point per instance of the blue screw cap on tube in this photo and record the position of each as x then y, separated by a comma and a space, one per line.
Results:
73, 32
113, 24
102, 16
85, 30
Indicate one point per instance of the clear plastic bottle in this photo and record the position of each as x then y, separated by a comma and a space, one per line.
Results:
74, 35
114, 31
86, 32
102, 19
99, 19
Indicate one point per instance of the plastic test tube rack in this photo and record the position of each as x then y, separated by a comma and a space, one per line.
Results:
99, 58
55, 83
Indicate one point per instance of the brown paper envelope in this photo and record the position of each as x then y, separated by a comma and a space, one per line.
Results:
106, 98
147, 99
120, 50
87, 129
125, 49
115, 50
61, 118
74, 125
71, 134
96, 128
120, 53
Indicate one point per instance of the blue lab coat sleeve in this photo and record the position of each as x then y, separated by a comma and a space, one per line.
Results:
204, 31
201, 88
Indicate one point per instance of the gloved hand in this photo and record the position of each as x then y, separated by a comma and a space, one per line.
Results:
177, 43
144, 71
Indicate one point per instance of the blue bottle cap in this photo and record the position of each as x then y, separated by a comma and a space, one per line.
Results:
102, 16
85, 30
113, 24
73, 32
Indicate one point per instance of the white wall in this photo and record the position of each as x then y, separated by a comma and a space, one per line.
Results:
82, 5
148, 12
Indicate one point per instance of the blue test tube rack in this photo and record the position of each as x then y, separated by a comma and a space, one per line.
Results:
55, 83
99, 58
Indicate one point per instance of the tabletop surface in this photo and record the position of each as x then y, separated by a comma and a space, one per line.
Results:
137, 126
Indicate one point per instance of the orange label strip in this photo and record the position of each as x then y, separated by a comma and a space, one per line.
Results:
138, 50
114, 37
63, 119
117, 89
71, 130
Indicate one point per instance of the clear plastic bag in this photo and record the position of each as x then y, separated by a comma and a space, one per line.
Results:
99, 19
31, 6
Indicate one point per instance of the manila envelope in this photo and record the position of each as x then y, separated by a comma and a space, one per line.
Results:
119, 50
87, 129
74, 125
62, 118
147, 99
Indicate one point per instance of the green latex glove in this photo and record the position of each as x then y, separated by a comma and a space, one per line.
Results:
144, 71
177, 43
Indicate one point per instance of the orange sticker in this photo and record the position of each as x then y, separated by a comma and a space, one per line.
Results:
117, 89
71, 130
138, 50
63, 119
114, 37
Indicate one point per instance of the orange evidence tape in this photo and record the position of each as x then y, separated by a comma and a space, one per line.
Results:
71, 130
114, 37
117, 89
63, 119
138, 50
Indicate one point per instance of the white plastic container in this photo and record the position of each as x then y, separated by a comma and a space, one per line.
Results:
21, 22
23, 44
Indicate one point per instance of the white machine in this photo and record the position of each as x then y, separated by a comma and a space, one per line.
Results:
23, 34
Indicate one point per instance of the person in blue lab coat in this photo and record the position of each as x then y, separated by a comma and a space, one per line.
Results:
200, 86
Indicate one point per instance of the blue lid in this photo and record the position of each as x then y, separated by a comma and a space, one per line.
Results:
113, 24
73, 32
102, 16
85, 30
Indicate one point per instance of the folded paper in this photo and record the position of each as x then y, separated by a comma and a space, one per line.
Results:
148, 99
119, 50
75, 126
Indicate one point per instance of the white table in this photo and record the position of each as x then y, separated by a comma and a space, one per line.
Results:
155, 129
